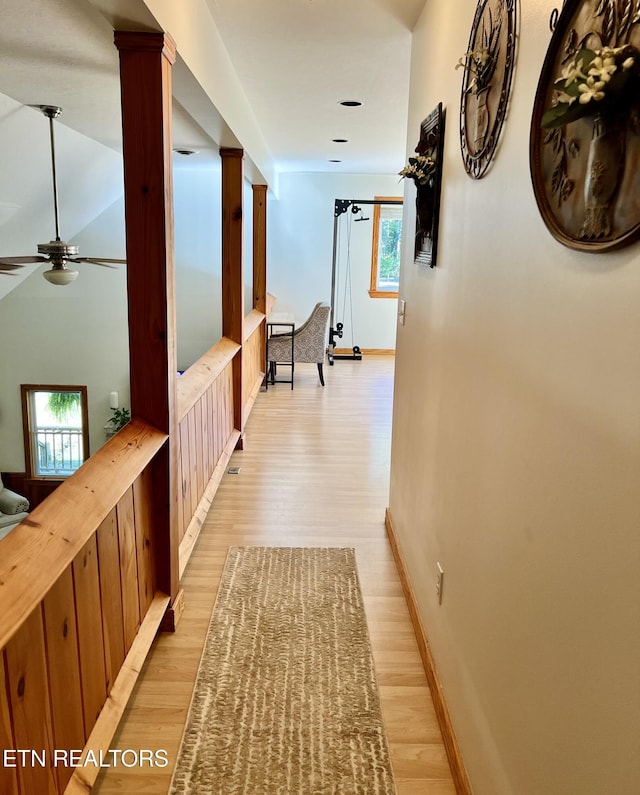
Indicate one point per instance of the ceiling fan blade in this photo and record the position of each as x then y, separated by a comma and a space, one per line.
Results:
19, 261
106, 263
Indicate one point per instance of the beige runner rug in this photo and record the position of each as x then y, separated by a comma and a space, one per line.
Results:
285, 701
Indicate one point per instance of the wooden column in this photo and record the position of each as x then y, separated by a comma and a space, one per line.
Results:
145, 74
260, 247
260, 260
232, 271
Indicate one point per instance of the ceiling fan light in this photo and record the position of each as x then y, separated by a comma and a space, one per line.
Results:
60, 276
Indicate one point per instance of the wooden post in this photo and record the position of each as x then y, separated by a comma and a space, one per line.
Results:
232, 271
145, 76
260, 260
260, 248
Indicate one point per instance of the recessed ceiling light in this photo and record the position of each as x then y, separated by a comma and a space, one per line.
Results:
335, 161
185, 152
340, 141
350, 103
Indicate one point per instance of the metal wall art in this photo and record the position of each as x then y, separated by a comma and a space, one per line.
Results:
425, 169
488, 69
585, 129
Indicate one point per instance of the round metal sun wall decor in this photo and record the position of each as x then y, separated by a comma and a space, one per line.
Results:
585, 128
487, 74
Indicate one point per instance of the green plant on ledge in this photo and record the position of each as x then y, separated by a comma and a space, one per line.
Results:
120, 418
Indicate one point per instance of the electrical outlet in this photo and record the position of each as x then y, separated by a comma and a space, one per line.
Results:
439, 583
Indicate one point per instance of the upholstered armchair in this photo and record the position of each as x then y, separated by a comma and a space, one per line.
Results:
13, 509
309, 343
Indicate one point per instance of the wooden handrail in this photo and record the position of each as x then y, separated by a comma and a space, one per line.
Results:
193, 383
251, 323
271, 300
36, 552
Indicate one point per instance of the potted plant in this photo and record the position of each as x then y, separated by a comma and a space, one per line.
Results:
119, 419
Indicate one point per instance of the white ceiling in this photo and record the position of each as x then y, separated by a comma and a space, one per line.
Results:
296, 59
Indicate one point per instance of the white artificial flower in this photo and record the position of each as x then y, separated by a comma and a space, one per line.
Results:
603, 68
592, 89
566, 99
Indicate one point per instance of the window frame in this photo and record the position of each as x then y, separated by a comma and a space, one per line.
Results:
373, 284
26, 391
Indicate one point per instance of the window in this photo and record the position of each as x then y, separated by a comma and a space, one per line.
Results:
55, 424
385, 257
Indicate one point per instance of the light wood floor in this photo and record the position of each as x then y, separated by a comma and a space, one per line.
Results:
315, 472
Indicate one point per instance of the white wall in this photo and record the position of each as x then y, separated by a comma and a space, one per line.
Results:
78, 334
516, 457
65, 335
198, 242
300, 250
89, 179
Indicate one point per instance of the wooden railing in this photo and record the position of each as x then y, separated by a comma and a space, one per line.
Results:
78, 583
252, 360
80, 607
206, 424
207, 437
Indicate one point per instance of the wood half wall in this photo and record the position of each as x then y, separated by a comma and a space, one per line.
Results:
93, 571
78, 582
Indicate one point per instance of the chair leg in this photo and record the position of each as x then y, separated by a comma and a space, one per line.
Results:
320, 373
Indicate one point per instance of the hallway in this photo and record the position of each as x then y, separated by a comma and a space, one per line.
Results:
315, 472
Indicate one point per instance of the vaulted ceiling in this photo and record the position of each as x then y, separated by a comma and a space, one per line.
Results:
295, 59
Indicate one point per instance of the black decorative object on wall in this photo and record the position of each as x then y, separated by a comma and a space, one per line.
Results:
585, 129
425, 169
488, 70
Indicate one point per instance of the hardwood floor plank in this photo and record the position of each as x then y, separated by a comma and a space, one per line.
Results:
314, 472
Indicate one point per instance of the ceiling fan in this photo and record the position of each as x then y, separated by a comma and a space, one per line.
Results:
57, 252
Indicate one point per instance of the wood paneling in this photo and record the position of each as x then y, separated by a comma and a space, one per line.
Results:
29, 702
86, 581
128, 568
100, 738
37, 552
195, 525
8, 775
63, 666
205, 433
251, 322
199, 438
69, 654
207, 453
111, 596
143, 513
198, 378
185, 475
252, 370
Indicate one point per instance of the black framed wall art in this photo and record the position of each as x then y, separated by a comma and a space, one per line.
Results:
425, 170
